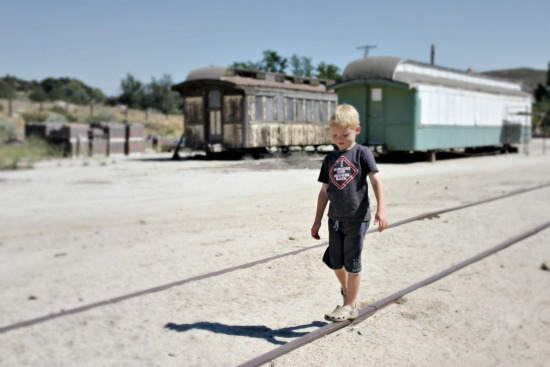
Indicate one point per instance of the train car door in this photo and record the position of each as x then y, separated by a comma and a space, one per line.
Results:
375, 121
213, 124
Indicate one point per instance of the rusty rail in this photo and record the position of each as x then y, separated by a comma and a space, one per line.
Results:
375, 307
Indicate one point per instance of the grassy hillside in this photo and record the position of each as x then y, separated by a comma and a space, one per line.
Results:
529, 78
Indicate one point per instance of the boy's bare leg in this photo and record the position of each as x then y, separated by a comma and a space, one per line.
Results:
350, 285
342, 276
353, 283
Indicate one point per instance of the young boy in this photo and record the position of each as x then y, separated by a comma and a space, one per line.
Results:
344, 177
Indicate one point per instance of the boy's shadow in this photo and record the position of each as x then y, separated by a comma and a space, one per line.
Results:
259, 331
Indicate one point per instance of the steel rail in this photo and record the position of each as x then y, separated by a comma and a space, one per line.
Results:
370, 310
110, 301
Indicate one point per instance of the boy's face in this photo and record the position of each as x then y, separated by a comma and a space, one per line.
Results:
344, 137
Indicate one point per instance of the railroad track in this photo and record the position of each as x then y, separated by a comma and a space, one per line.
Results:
329, 328
370, 310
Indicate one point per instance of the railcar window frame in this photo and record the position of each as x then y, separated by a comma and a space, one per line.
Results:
290, 109
299, 113
259, 108
214, 111
316, 111
325, 111
309, 111
280, 109
269, 109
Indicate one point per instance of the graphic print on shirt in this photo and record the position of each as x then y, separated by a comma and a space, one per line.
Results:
342, 172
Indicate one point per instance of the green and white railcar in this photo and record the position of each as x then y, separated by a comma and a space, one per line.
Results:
411, 106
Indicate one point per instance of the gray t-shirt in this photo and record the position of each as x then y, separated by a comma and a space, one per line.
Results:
346, 175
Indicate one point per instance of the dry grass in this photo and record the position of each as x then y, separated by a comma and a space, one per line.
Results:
155, 122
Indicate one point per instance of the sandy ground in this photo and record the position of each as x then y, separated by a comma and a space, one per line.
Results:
76, 231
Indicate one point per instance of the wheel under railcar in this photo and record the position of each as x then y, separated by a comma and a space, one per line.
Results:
228, 109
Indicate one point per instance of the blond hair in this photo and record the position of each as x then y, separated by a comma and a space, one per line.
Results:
345, 116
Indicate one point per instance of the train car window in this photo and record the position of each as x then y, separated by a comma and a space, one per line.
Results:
316, 111
376, 94
259, 108
280, 109
290, 109
214, 99
300, 110
215, 123
309, 112
269, 109
324, 111
332, 109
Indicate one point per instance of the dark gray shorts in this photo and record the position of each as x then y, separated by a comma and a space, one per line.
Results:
345, 245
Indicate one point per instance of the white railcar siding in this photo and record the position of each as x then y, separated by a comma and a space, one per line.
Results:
450, 106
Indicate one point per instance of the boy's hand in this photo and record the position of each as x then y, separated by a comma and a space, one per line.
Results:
381, 220
315, 230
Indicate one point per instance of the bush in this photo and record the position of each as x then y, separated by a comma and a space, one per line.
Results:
90, 119
167, 131
71, 118
102, 116
58, 110
25, 154
8, 131
56, 118
34, 117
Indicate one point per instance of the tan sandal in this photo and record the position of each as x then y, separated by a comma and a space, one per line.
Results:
342, 314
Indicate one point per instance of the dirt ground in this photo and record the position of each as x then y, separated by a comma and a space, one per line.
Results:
79, 231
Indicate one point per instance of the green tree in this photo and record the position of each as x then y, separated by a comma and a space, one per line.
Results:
296, 65
273, 62
327, 71
132, 92
301, 66
249, 65
307, 66
97, 95
38, 95
159, 96
6, 90
18, 85
541, 93
75, 92
70, 90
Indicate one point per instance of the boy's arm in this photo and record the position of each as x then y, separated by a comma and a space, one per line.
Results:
380, 217
322, 201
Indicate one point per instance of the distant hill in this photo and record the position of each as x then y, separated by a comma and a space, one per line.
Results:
529, 78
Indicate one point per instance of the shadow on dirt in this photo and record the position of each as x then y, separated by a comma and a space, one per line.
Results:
251, 331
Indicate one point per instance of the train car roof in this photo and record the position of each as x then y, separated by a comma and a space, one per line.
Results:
412, 74
255, 78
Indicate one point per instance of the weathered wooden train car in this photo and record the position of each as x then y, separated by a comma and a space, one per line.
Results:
244, 110
411, 106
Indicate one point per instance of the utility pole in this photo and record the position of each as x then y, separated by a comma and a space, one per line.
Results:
366, 48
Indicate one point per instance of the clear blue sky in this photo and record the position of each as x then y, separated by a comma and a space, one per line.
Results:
99, 42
